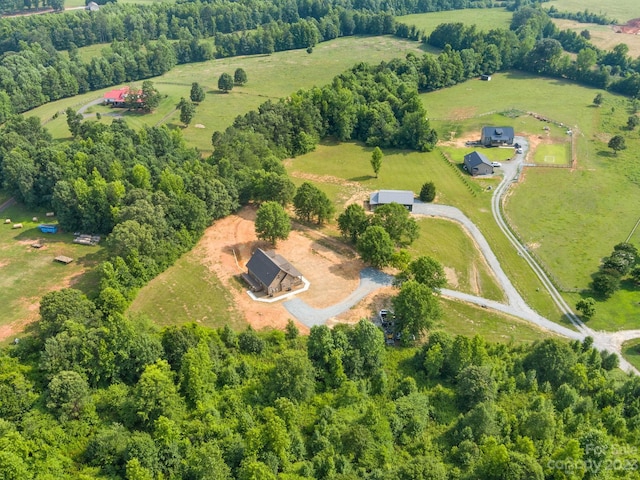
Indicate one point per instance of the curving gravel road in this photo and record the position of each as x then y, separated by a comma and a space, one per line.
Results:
372, 279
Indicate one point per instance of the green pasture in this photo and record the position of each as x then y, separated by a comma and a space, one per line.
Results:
187, 292
27, 273
631, 352
619, 312
459, 318
406, 170
621, 10
569, 219
483, 18
448, 242
552, 154
270, 77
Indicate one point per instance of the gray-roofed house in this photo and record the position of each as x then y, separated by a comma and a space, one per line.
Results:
477, 164
384, 197
271, 273
496, 136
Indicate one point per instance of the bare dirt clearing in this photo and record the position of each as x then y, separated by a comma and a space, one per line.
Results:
331, 267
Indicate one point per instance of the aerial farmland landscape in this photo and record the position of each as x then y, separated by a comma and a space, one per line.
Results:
319, 240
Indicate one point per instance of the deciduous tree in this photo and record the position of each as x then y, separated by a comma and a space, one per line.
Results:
197, 93
272, 222
617, 143
586, 307
416, 308
376, 160
375, 246
239, 77
225, 83
353, 221
187, 111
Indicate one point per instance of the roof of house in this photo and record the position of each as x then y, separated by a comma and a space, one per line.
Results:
498, 133
117, 95
474, 159
383, 197
266, 266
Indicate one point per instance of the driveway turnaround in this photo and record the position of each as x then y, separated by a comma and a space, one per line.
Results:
370, 281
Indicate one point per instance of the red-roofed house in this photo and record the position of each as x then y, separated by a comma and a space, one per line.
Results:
118, 98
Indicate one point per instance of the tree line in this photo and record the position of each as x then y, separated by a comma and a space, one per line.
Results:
533, 43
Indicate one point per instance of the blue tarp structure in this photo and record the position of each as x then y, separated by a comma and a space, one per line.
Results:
44, 228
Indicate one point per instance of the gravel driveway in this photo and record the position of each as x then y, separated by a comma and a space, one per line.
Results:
370, 281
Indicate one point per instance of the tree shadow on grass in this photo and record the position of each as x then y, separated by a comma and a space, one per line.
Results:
607, 154
362, 178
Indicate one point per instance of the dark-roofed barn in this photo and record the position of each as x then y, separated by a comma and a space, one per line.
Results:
496, 136
477, 164
384, 197
271, 273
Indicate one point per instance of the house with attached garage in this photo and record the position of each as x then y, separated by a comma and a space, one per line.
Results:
384, 197
497, 136
271, 273
477, 164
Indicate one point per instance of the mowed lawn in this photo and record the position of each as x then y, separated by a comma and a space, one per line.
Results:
27, 273
463, 319
454, 248
270, 77
569, 218
187, 292
483, 18
553, 154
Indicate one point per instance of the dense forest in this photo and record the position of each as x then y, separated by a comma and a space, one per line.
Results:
94, 393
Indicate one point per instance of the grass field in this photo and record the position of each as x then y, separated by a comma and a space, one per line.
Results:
270, 77
570, 219
553, 154
408, 171
603, 36
27, 273
444, 240
622, 10
483, 18
187, 292
462, 319
631, 351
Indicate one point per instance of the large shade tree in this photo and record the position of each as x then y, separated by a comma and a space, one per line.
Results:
272, 222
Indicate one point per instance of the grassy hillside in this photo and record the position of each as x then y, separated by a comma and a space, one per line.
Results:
27, 273
484, 19
269, 77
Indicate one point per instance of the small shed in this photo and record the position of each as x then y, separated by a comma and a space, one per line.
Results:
384, 197
477, 164
271, 273
48, 228
485, 77
63, 259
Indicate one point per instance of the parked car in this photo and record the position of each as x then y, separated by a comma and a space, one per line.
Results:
496, 164
519, 150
